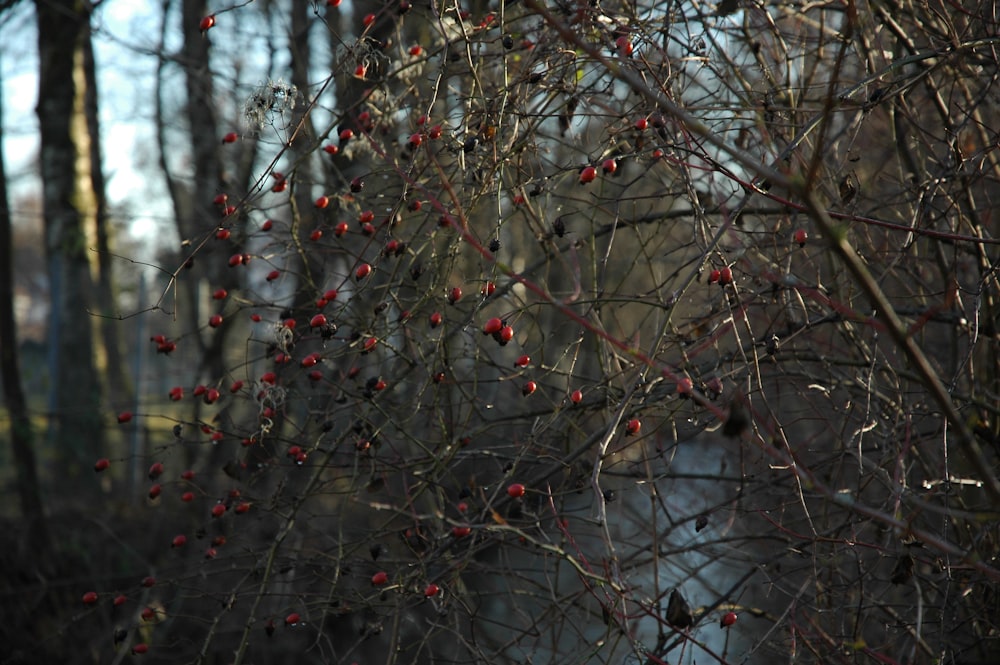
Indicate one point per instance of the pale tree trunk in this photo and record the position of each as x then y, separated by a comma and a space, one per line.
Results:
22, 437
75, 395
117, 382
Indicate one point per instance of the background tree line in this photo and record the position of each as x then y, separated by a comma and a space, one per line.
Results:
506, 332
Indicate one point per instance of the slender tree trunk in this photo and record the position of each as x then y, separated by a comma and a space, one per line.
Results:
21, 434
118, 384
75, 396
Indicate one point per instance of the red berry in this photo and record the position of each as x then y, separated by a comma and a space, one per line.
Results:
90, 598
346, 135
273, 275
155, 470
587, 175
332, 3
215, 321
227, 211
505, 335
140, 649
255, 317
315, 375
435, 319
632, 427
310, 361
576, 396
416, 50
317, 321
154, 490
231, 137
454, 295
460, 531
119, 600
434, 132
726, 276
369, 19
102, 464
340, 229
292, 619
462, 507
684, 386
522, 361
416, 140
363, 271
176, 394
728, 619
357, 184
322, 202
380, 578
187, 497
369, 345
331, 149
199, 390
515, 491
211, 553
218, 510
316, 235
147, 614
148, 581
241, 507
431, 590
211, 396
493, 326
641, 124
656, 154
609, 165
124, 417
237, 385
220, 199
220, 294
800, 239
360, 71
624, 46
179, 541
267, 225
368, 229
714, 276
207, 23
488, 288
235, 260
529, 388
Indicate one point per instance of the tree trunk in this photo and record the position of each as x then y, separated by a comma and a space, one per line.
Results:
75, 395
117, 382
21, 434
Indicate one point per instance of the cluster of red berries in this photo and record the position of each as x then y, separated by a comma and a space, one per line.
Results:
499, 330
